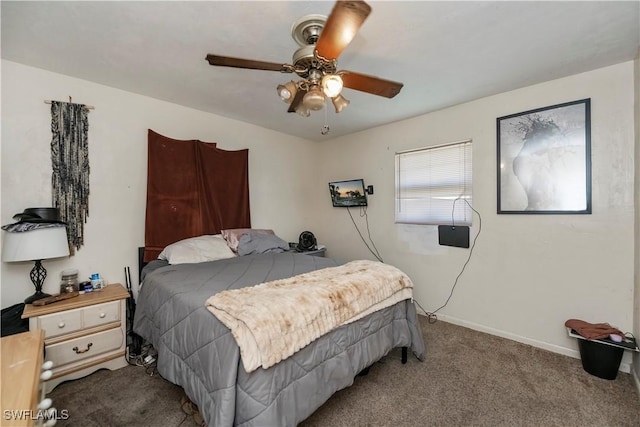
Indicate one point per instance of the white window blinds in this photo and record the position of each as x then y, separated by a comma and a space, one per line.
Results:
429, 180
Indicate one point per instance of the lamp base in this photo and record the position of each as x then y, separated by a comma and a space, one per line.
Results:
38, 274
38, 295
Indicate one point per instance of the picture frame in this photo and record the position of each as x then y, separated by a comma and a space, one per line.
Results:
544, 160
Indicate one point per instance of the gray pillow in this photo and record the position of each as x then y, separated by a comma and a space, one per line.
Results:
257, 243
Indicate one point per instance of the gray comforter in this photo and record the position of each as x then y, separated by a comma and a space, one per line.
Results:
197, 352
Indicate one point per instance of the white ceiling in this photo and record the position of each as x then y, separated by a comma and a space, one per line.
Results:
445, 53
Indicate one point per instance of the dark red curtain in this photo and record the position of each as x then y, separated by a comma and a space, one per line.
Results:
193, 188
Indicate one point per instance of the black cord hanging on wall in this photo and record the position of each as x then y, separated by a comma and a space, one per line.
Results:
70, 164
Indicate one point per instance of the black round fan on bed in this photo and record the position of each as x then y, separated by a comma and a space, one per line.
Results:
307, 242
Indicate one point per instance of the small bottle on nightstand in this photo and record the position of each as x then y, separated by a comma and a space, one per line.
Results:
97, 282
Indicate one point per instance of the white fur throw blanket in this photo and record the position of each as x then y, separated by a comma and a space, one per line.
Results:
273, 320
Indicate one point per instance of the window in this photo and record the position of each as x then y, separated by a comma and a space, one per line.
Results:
429, 180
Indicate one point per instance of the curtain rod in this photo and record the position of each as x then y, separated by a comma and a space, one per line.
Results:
88, 107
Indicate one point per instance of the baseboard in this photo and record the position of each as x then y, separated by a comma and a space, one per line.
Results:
636, 379
624, 365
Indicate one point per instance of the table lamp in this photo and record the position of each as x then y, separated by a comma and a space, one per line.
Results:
35, 245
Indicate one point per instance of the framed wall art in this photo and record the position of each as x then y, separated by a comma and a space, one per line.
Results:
544, 160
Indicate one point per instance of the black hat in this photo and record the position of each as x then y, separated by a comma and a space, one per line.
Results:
39, 215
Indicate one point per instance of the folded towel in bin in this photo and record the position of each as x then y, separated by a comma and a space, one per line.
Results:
592, 331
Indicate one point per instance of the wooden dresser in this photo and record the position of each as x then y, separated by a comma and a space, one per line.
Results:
21, 368
82, 334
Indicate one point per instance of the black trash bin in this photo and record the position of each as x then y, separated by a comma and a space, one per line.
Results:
12, 321
601, 360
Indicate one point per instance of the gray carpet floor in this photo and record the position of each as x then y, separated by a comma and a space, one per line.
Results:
468, 379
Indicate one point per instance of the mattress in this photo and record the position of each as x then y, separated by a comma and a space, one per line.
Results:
197, 352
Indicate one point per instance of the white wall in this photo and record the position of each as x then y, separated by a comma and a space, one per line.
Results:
118, 158
636, 330
528, 273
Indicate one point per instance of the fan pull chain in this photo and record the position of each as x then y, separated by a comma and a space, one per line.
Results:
325, 129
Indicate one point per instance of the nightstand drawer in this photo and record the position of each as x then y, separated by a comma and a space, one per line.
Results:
65, 322
101, 314
60, 323
84, 347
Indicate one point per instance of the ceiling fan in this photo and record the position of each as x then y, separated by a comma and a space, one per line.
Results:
321, 41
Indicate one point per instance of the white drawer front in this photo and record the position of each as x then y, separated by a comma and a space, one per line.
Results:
101, 314
60, 323
84, 347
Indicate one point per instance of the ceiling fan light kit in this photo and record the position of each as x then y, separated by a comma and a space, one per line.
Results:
287, 91
332, 85
314, 99
339, 103
303, 111
321, 39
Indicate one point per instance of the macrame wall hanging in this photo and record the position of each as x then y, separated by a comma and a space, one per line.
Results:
70, 163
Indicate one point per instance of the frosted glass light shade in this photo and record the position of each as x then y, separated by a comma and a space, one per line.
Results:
332, 85
340, 102
314, 99
302, 110
287, 91
38, 244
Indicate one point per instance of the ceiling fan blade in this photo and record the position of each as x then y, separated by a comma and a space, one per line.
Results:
341, 27
370, 84
226, 61
296, 100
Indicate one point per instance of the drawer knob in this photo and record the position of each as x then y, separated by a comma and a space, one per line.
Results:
51, 418
45, 404
61, 325
102, 315
78, 351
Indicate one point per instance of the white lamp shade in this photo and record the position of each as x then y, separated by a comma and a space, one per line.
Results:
37, 244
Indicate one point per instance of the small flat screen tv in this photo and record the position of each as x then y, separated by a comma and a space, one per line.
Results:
345, 194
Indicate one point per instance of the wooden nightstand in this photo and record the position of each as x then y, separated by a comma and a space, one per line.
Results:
316, 252
82, 334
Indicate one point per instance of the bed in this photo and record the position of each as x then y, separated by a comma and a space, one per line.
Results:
199, 353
